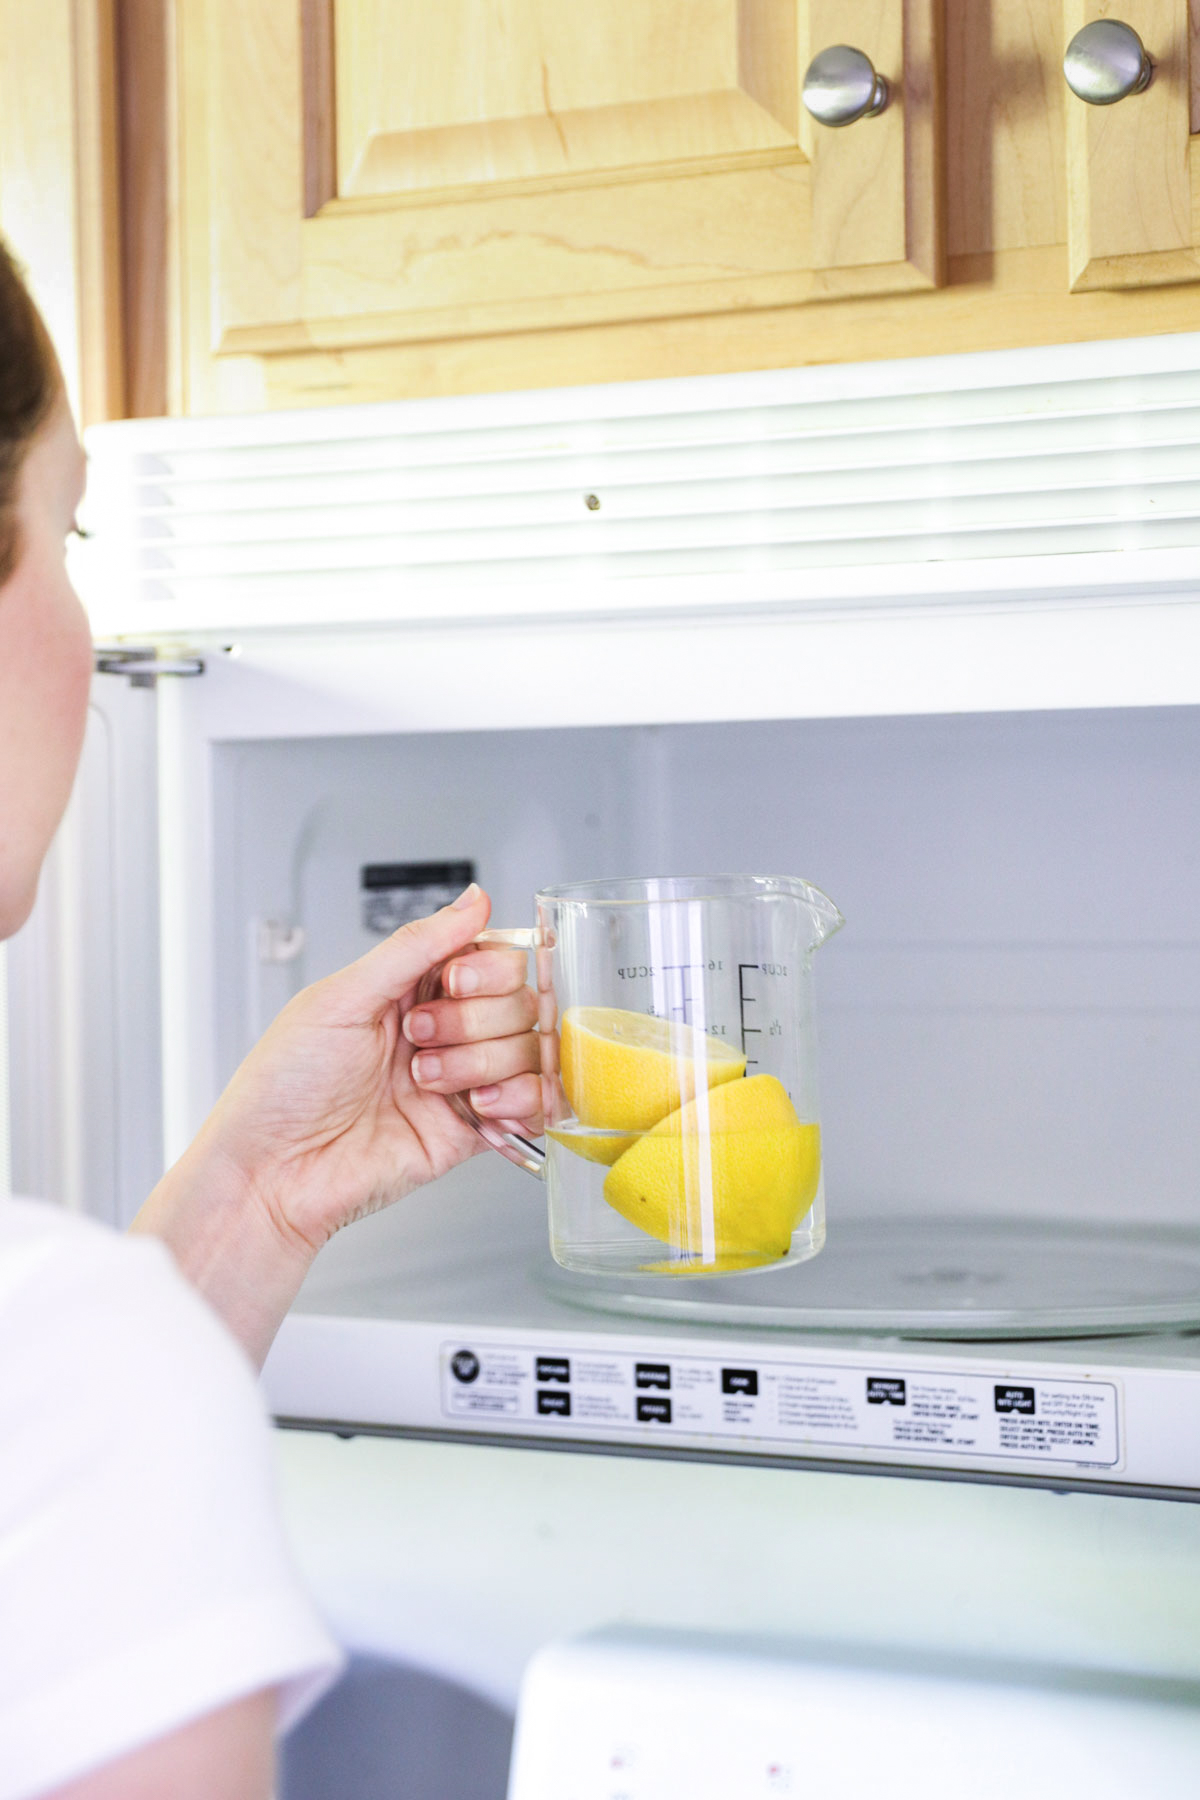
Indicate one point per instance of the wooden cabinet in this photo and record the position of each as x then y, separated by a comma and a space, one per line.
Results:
59, 186
386, 197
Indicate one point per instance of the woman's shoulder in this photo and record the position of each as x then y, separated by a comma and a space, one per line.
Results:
144, 1575
36, 1232
44, 1247
28, 1222
116, 1377
79, 1296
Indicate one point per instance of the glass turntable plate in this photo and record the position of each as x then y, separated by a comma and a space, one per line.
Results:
940, 1278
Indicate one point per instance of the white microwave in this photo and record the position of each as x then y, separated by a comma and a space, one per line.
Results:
926, 633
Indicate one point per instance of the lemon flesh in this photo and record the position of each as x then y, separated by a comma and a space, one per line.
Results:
728, 1175
624, 1071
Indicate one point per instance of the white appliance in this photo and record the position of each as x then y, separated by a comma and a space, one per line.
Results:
927, 633
653, 1715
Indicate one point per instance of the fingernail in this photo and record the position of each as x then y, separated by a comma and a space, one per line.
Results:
468, 897
484, 1096
462, 980
427, 1068
420, 1027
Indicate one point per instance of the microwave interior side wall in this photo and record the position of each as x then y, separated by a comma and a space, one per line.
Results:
1010, 1020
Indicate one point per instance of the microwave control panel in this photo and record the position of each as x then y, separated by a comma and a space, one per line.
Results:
817, 1407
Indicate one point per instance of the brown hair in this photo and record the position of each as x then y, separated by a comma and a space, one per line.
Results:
30, 383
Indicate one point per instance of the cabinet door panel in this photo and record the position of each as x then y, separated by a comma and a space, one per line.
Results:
1129, 166
528, 91
386, 171
875, 185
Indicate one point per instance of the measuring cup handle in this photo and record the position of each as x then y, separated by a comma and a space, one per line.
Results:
520, 1150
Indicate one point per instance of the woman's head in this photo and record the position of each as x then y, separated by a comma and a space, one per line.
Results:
45, 648
30, 385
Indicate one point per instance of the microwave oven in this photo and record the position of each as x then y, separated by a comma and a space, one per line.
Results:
926, 633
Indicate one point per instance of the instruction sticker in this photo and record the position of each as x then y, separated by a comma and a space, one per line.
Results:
939, 1412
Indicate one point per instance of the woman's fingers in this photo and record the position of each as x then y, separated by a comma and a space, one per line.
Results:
519, 1098
441, 1022
480, 1041
486, 972
460, 1067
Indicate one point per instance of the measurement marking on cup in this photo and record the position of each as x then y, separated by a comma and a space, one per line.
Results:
683, 1009
661, 1006
745, 1000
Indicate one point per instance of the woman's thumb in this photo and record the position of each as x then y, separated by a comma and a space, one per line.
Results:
393, 967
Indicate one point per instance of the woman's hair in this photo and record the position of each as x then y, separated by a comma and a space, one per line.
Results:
30, 383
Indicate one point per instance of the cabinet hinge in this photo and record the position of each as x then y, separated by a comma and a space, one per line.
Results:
142, 664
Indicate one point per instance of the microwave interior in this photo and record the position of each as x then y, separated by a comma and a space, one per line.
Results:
1009, 1023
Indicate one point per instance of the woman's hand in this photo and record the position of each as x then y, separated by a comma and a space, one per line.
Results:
339, 1110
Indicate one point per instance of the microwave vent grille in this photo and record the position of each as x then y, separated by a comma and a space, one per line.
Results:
865, 485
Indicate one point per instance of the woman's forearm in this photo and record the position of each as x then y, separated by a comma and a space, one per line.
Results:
228, 1243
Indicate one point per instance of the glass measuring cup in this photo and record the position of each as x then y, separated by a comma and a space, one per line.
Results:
678, 1051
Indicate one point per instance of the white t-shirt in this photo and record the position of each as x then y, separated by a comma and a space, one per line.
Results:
144, 1578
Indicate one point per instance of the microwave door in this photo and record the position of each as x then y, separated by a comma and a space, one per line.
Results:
84, 1045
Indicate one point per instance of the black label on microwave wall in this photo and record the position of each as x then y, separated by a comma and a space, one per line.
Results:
1015, 1399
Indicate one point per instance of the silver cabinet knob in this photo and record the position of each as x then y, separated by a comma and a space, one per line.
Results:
841, 85
1105, 62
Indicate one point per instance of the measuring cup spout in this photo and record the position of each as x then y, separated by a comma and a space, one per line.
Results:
823, 916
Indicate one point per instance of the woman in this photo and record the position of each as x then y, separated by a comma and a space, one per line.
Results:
152, 1635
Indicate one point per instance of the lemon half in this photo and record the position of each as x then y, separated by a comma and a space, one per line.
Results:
624, 1071
730, 1174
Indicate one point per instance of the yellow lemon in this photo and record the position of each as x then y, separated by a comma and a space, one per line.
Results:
737, 1160
624, 1071
593, 1146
